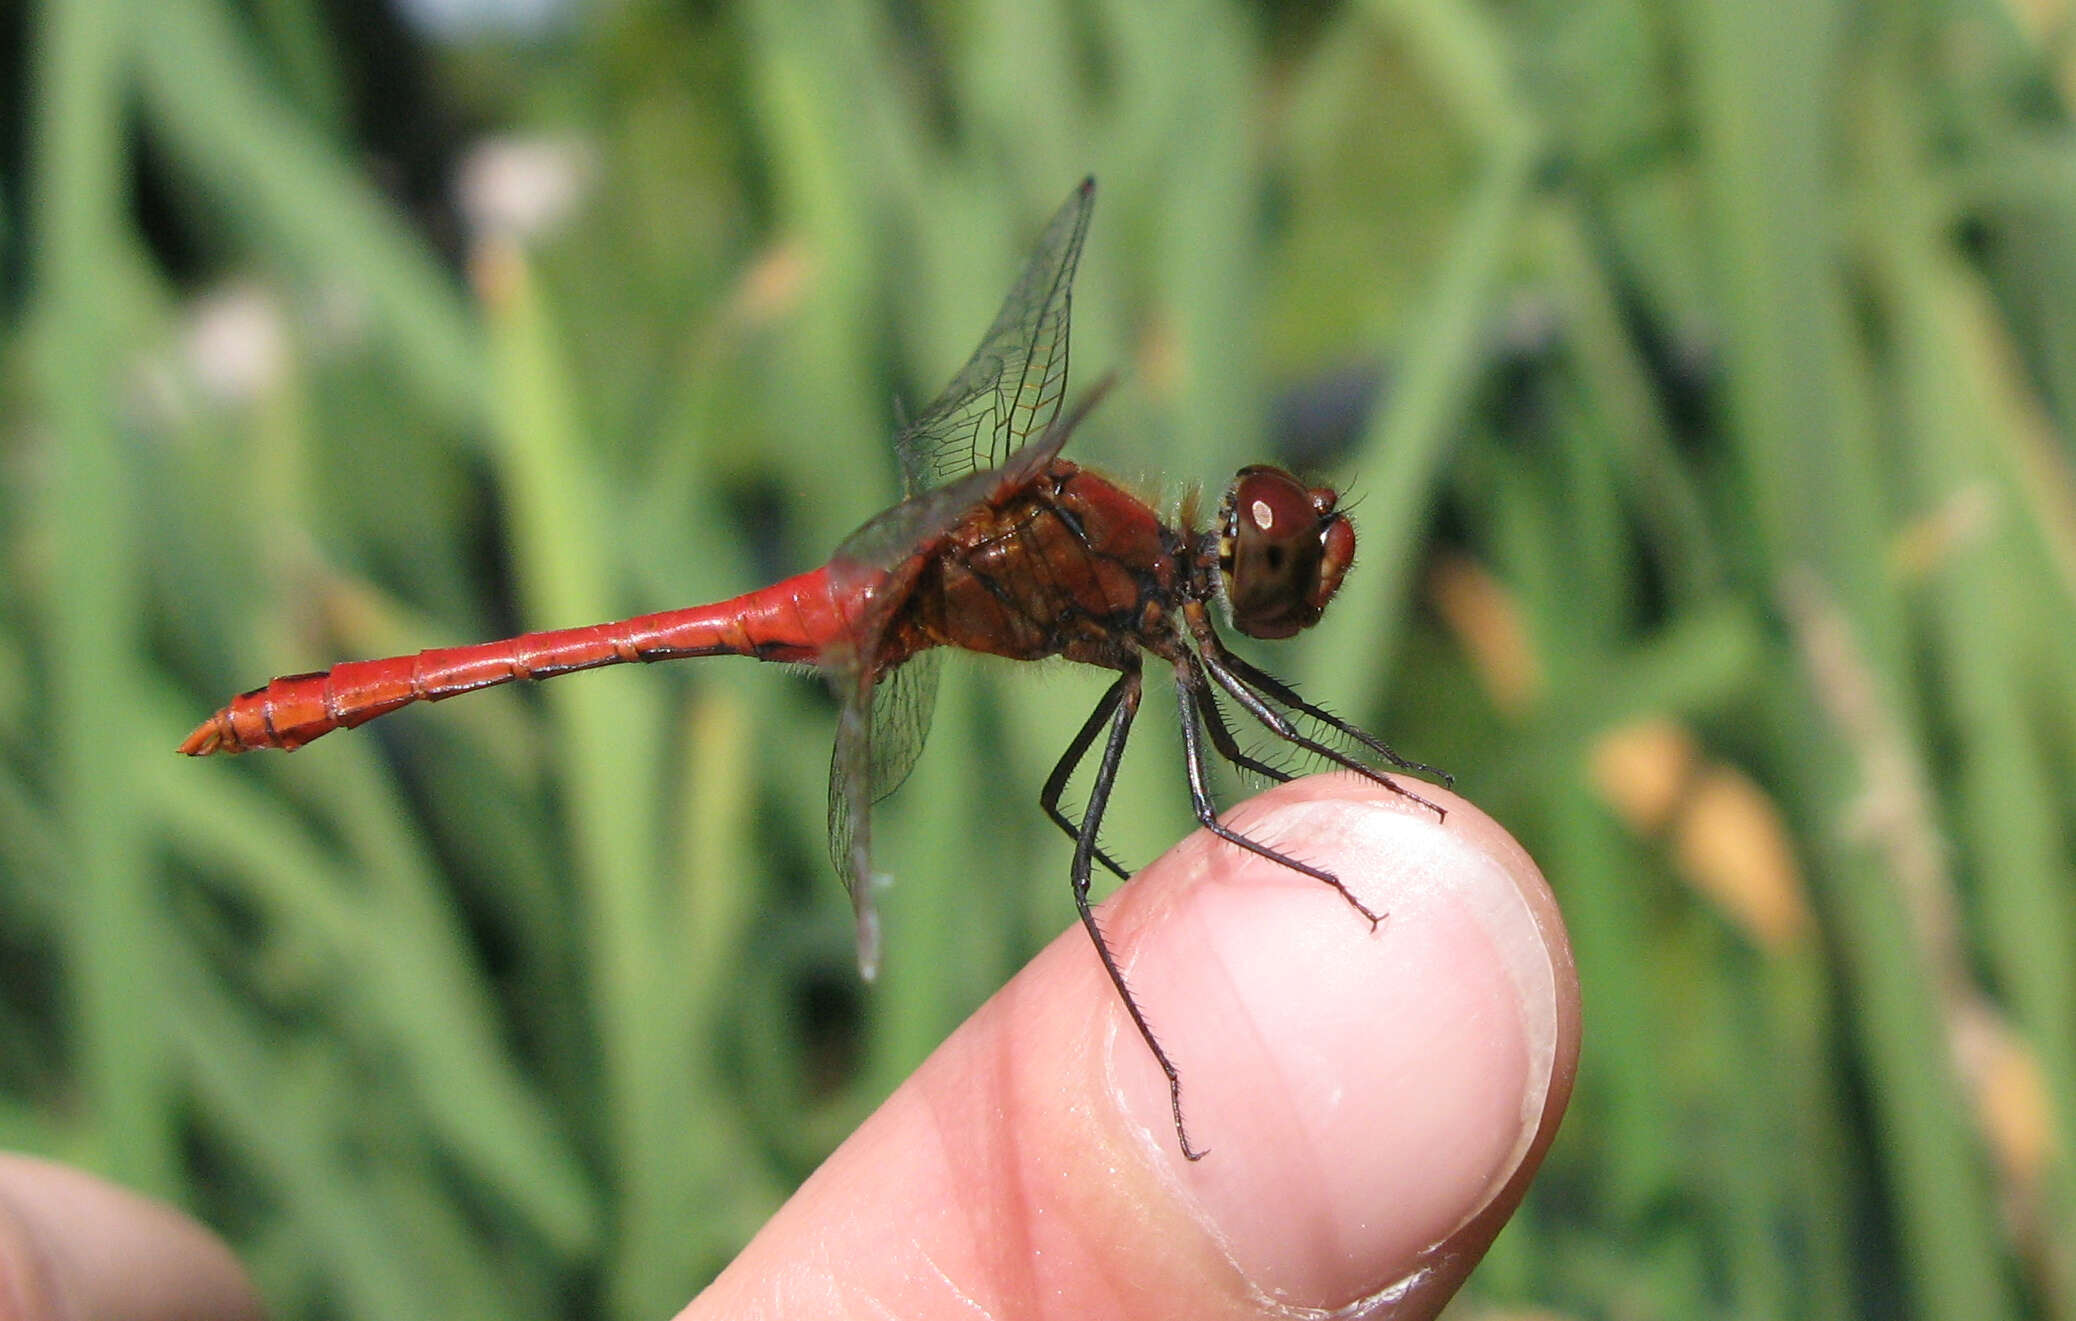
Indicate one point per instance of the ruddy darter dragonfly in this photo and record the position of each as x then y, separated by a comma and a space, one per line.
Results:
1001, 546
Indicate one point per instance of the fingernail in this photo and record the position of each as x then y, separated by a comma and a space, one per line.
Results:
1362, 1094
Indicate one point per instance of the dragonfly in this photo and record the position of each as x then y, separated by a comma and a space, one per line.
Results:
1000, 546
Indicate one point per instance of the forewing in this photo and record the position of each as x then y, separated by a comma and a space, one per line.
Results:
1011, 388
881, 727
894, 542
995, 427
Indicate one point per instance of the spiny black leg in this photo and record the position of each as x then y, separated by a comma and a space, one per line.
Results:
1187, 679
1284, 728
1124, 697
1288, 695
1222, 738
1056, 783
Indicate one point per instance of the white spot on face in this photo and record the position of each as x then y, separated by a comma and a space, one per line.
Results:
1263, 516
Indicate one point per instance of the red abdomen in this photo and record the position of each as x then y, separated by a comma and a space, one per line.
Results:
794, 620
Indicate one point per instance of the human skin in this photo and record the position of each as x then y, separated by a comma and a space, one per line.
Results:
77, 1248
1374, 1105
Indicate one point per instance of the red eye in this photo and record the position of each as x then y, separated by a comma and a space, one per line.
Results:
1283, 553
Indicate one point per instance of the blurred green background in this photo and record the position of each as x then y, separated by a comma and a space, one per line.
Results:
1705, 371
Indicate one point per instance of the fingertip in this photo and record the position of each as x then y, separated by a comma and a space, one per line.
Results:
1377, 1100
1370, 1104
72, 1245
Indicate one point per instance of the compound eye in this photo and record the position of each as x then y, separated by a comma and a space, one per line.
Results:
1283, 552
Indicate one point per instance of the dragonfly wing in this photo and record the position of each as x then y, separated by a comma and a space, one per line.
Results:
879, 734
850, 813
903, 703
909, 533
884, 712
881, 560
992, 430
1011, 388
882, 725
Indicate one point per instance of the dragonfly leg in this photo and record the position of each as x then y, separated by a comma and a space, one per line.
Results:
1222, 738
1070, 761
1123, 701
1284, 693
1191, 683
1284, 728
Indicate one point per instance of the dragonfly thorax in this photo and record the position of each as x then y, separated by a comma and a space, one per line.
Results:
1072, 566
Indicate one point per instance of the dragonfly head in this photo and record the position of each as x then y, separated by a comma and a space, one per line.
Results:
1282, 551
